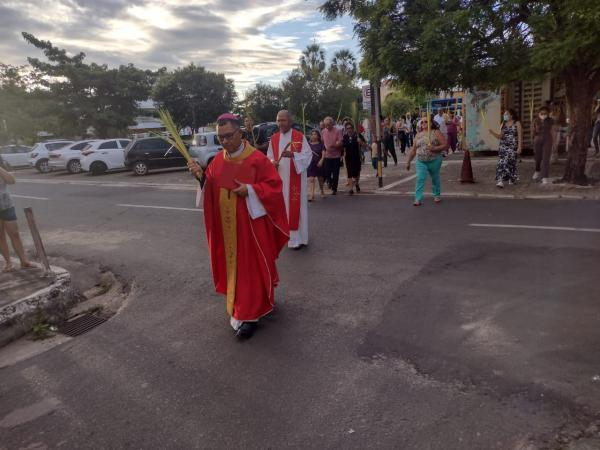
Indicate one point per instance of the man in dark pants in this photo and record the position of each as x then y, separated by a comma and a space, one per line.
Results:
542, 145
333, 140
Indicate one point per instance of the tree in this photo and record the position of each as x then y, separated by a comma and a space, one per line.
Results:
264, 102
312, 61
322, 91
89, 95
397, 104
344, 62
194, 96
492, 43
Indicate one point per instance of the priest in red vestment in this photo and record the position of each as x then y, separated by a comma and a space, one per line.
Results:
246, 225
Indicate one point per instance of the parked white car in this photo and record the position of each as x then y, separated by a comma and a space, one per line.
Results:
15, 155
67, 157
100, 156
38, 157
204, 147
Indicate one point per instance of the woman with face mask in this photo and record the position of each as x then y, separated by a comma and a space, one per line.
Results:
511, 143
542, 144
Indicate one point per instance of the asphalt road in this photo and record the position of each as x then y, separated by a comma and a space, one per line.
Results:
398, 327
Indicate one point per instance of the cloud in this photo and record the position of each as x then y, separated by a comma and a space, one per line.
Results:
333, 34
248, 40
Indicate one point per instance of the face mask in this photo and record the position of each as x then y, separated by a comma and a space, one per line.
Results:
543, 116
506, 117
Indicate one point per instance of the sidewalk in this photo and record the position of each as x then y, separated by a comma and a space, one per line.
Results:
25, 294
397, 181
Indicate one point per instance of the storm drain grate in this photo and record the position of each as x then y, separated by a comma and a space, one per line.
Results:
80, 324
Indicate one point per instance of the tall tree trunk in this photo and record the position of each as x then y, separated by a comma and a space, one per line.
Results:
580, 90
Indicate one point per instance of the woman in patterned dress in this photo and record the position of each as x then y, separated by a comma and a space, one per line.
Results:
511, 144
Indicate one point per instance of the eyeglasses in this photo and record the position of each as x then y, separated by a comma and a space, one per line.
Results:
223, 137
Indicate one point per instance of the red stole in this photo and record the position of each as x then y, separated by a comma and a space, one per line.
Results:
295, 178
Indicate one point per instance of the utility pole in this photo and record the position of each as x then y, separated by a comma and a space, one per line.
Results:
376, 122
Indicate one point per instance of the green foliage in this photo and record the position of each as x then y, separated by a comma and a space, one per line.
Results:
85, 95
320, 90
41, 330
397, 104
193, 95
312, 90
263, 102
443, 44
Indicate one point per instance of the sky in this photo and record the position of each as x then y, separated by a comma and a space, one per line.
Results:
250, 41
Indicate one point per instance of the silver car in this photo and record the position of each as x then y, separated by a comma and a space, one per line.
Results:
204, 147
15, 155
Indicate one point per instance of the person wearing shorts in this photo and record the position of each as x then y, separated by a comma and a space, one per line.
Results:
8, 224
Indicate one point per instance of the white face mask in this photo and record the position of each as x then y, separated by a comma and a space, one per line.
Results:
506, 117
543, 116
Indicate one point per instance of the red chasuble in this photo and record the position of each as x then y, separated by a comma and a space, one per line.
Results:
297, 139
243, 250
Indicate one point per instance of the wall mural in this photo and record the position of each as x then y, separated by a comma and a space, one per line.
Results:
482, 113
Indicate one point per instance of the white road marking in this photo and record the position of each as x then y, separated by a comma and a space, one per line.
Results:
534, 227
396, 183
28, 197
113, 184
124, 205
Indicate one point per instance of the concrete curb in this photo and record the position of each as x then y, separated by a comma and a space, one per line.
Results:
494, 196
51, 303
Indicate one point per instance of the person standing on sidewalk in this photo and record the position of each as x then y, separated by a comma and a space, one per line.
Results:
427, 148
452, 127
333, 140
8, 224
542, 145
388, 141
511, 144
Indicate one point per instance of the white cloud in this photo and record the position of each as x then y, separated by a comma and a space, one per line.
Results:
248, 40
330, 35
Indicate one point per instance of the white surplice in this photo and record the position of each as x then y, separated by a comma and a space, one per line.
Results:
302, 160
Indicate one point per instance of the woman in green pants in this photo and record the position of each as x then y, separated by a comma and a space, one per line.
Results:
428, 145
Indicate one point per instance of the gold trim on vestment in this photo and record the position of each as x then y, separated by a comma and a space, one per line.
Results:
228, 210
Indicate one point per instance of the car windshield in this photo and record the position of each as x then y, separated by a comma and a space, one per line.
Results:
199, 140
57, 145
36, 147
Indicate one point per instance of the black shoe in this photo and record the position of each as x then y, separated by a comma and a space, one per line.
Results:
300, 247
357, 188
351, 192
246, 330
334, 193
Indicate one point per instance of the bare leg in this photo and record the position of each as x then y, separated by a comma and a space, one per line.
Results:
4, 249
321, 186
311, 189
13, 232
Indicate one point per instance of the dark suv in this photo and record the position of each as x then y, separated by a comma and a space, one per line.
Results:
268, 128
145, 154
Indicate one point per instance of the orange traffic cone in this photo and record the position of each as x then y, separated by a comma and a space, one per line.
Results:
466, 172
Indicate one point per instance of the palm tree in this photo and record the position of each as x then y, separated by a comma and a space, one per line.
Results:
344, 63
312, 61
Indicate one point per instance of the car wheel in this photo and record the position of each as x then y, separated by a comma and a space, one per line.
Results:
74, 166
140, 168
98, 168
42, 166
